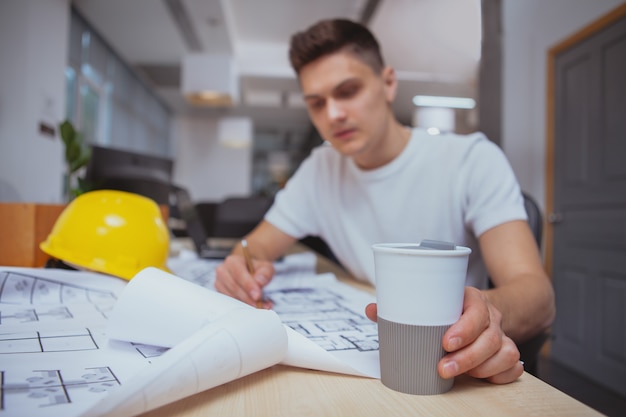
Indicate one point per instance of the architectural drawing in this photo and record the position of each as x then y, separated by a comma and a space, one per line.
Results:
13, 316
47, 341
315, 311
24, 289
323, 317
202, 271
28, 301
46, 388
57, 356
148, 351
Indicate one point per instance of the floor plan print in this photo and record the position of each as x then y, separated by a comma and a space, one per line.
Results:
202, 271
46, 388
23, 289
54, 354
323, 317
148, 351
29, 300
58, 355
47, 341
13, 316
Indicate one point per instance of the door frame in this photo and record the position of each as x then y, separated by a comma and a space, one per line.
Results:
584, 33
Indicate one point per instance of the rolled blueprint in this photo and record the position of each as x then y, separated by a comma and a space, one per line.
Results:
238, 344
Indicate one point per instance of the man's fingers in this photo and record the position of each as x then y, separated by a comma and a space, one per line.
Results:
475, 319
509, 375
477, 344
263, 271
371, 311
234, 280
231, 288
500, 364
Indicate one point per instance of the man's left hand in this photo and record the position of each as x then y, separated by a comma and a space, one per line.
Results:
476, 344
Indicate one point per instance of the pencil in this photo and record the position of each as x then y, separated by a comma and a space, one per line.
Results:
246, 254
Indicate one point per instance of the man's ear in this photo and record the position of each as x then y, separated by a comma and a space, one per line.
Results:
390, 83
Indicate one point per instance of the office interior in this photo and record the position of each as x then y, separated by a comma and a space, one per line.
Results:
42, 82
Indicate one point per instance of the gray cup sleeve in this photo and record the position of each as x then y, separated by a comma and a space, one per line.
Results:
409, 355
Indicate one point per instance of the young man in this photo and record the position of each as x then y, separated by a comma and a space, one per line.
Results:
379, 181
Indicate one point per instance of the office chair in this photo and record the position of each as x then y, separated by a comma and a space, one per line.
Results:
207, 211
319, 245
529, 350
237, 216
535, 219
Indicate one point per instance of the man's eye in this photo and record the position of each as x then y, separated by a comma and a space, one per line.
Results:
316, 105
347, 91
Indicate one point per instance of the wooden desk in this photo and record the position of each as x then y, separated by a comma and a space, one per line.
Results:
288, 391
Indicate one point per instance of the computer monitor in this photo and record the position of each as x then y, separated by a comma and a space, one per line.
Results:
124, 170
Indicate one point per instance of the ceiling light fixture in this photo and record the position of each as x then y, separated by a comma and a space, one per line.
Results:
434, 119
235, 132
440, 101
210, 80
263, 98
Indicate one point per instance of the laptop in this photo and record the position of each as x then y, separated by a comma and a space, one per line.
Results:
195, 228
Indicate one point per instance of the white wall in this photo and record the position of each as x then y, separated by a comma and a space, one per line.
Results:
207, 169
531, 28
33, 54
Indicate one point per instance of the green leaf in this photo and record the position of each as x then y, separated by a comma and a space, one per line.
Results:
84, 185
77, 155
77, 164
72, 152
68, 133
80, 138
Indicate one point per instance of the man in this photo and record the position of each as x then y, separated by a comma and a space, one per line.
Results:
379, 181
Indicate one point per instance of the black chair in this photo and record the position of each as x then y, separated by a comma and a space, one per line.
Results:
237, 216
535, 219
530, 349
207, 211
320, 246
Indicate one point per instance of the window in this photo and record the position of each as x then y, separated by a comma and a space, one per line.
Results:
107, 102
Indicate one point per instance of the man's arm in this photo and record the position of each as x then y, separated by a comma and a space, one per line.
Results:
266, 243
482, 342
522, 290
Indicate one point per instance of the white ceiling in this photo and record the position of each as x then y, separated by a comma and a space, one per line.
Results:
434, 45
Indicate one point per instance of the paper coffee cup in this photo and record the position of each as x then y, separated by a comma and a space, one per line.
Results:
419, 292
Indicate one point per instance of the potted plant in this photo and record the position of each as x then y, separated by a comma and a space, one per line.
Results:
77, 155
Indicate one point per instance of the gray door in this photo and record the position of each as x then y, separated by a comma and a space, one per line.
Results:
589, 219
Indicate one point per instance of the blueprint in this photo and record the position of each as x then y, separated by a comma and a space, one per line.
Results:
188, 266
55, 358
70, 340
315, 307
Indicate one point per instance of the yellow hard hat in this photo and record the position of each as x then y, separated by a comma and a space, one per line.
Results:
114, 232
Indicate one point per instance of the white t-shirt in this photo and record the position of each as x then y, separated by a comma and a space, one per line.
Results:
444, 187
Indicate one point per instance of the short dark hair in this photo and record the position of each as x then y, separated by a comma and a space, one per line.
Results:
332, 35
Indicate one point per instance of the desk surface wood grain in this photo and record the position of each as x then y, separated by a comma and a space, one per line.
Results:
287, 391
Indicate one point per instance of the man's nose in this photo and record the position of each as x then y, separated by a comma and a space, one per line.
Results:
335, 110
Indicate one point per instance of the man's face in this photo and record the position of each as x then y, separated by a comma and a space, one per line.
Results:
348, 103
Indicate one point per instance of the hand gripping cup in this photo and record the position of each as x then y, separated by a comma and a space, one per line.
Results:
419, 292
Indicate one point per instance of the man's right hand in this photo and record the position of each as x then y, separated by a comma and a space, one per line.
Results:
234, 279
